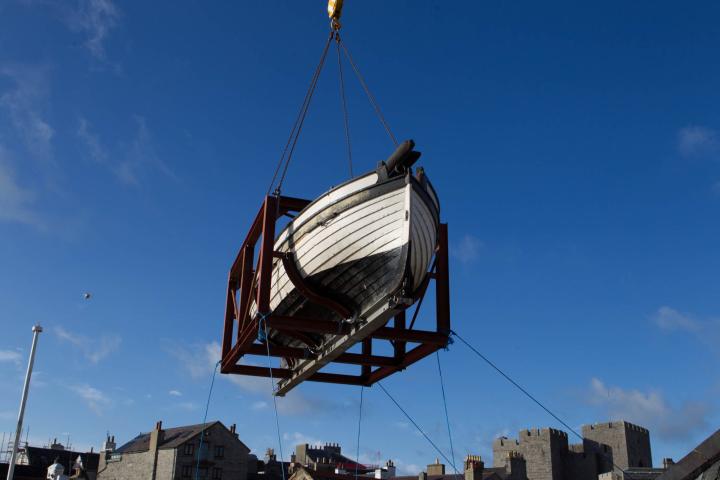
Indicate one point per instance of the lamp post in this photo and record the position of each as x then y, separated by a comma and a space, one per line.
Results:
37, 329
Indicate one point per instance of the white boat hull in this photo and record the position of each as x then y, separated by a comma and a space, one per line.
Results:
362, 244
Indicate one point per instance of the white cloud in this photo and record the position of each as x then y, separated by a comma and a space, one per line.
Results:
10, 356
141, 157
16, 202
297, 438
650, 410
199, 361
24, 103
468, 250
259, 405
91, 141
175, 393
189, 406
669, 319
697, 140
94, 398
95, 18
93, 349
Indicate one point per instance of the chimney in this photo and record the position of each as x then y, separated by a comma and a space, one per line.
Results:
515, 465
668, 462
436, 468
232, 428
474, 467
156, 438
422, 476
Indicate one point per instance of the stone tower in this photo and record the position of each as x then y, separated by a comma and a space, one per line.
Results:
622, 443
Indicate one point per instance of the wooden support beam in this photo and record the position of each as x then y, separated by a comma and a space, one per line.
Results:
366, 350
417, 353
307, 325
399, 326
416, 336
442, 282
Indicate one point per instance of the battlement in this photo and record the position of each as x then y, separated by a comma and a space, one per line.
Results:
619, 424
543, 433
505, 442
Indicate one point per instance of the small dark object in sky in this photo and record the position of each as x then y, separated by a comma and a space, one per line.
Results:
87, 295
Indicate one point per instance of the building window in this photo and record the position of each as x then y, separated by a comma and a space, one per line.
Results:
217, 473
219, 451
187, 471
189, 449
202, 472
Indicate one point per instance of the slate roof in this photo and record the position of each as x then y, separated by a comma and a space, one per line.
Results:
488, 472
172, 438
335, 458
701, 463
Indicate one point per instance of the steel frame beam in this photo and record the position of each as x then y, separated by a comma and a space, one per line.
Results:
247, 281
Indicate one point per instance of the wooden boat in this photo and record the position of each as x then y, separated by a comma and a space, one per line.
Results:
360, 249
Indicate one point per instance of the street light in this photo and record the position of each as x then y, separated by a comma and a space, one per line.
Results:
37, 329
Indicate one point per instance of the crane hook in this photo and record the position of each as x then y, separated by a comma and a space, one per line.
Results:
334, 12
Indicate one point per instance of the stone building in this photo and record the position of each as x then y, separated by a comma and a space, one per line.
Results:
172, 454
326, 457
548, 455
474, 469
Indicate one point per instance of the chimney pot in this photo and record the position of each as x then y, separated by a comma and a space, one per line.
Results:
158, 425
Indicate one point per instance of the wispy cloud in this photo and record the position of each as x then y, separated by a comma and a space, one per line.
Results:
189, 406
705, 330
698, 140
94, 349
467, 250
96, 400
175, 393
649, 409
10, 356
669, 319
138, 157
95, 19
259, 405
24, 103
297, 438
16, 202
199, 361
91, 141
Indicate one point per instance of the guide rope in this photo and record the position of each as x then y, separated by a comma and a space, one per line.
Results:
297, 127
344, 103
357, 453
527, 394
272, 392
407, 415
447, 417
369, 94
207, 407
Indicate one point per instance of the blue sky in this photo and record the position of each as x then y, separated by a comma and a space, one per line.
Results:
575, 147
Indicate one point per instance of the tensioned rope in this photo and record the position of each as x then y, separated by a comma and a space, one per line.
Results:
523, 390
202, 433
344, 102
357, 452
286, 156
447, 417
407, 415
272, 394
297, 127
369, 94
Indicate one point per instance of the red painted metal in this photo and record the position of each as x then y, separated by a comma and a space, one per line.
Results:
240, 331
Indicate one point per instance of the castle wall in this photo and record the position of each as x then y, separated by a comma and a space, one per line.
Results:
622, 443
